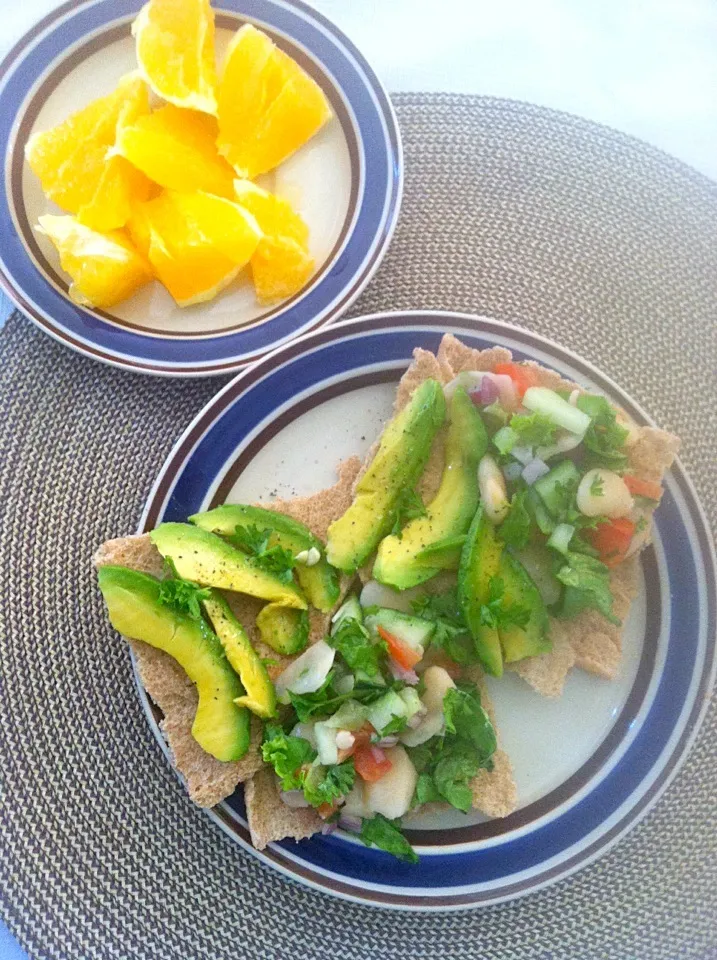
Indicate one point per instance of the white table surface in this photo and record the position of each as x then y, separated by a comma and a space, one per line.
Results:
645, 67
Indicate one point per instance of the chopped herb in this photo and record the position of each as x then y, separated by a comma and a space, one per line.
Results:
515, 529
408, 507
386, 835
533, 430
605, 438
446, 764
587, 585
325, 701
327, 784
354, 643
287, 755
597, 486
255, 541
184, 596
497, 613
641, 525
451, 633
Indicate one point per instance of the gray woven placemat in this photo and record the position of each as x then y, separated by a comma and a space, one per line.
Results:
512, 211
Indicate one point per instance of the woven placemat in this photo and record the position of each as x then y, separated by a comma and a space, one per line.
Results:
512, 211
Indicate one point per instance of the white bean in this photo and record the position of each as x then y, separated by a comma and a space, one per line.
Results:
602, 493
493, 492
391, 796
437, 684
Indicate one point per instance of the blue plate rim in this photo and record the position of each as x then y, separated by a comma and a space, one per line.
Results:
377, 173
404, 322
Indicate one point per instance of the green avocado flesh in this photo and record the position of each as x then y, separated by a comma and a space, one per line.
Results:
450, 512
206, 559
520, 642
320, 582
402, 454
284, 629
260, 697
480, 562
220, 726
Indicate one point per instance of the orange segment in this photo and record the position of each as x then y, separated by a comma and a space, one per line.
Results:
104, 267
281, 265
197, 243
74, 163
268, 106
177, 149
279, 269
175, 51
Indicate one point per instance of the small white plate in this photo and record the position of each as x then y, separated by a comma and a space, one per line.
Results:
346, 183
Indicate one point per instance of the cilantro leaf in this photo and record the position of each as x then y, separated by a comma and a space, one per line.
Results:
326, 784
287, 755
325, 701
497, 613
451, 633
533, 430
605, 438
386, 834
587, 583
409, 506
182, 595
515, 529
353, 642
597, 487
453, 773
426, 790
255, 541
466, 718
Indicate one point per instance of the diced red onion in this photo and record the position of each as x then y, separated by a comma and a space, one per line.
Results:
401, 673
522, 454
489, 392
377, 753
534, 470
294, 799
349, 822
511, 472
328, 828
386, 742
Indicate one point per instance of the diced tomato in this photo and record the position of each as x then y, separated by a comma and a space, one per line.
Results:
361, 737
522, 377
404, 655
643, 488
371, 763
612, 539
326, 810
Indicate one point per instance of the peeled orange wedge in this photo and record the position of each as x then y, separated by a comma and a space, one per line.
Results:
74, 160
268, 106
281, 264
175, 51
177, 149
197, 243
105, 268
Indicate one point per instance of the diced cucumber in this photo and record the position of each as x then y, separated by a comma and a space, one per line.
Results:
552, 405
367, 680
560, 537
553, 486
411, 630
350, 716
411, 700
505, 439
383, 711
349, 610
326, 747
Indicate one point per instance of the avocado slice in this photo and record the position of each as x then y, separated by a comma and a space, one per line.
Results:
480, 562
260, 697
320, 582
220, 726
206, 559
444, 554
284, 629
521, 642
403, 450
450, 512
